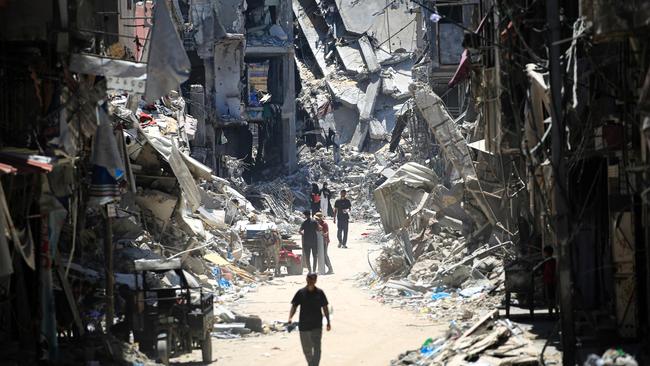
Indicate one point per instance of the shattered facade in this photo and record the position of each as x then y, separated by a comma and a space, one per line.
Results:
243, 54
355, 75
114, 130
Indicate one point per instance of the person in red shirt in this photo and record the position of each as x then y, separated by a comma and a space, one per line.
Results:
315, 198
326, 240
548, 276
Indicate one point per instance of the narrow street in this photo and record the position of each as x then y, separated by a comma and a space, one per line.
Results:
163, 164
364, 331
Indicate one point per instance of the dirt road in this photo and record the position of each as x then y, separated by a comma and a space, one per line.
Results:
364, 332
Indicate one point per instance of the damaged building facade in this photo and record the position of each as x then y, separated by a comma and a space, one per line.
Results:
549, 148
242, 83
502, 126
116, 120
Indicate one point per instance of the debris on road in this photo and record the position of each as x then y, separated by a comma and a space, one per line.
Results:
489, 341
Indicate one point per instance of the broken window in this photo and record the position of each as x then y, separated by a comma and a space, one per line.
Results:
257, 75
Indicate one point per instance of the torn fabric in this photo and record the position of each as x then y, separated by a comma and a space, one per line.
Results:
168, 65
106, 152
185, 179
96, 65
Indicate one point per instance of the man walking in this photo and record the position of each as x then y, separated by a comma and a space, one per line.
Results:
311, 300
309, 241
342, 214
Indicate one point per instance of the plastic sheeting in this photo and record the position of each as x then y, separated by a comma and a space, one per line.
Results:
168, 65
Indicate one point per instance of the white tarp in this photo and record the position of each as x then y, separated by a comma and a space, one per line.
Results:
168, 65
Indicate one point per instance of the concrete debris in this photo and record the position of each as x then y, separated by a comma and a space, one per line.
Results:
367, 106
351, 58
313, 37
101, 350
369, 55
488, 341
447, 278
357, 78
452, 142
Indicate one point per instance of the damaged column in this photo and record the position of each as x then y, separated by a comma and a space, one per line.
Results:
366, 109
453, 144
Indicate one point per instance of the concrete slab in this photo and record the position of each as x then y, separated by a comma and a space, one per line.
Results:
386, 109
393, 26
351, 57
159, 203
376, 130
347, 92
314, 38
359, 16
367, 106
360, 134
396, 80
369, 55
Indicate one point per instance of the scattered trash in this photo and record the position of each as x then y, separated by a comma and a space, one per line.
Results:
439, 295
611, 357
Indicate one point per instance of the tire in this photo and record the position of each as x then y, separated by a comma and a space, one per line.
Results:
293, 268
206, 348
161, 349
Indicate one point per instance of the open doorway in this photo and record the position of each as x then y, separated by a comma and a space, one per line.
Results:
265, 93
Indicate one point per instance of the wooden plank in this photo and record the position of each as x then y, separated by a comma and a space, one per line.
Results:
493, 314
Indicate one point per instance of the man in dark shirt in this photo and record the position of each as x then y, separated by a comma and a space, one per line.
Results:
342, 214
311, 300
309, 241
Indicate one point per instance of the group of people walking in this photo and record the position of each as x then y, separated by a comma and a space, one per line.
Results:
312, 300
315, 225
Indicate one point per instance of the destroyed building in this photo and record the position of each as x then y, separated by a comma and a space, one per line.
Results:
549, 149
242, 83
474, 132
111, 142
355, 62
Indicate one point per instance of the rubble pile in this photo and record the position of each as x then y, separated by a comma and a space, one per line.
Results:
449, 277
611, 357
358, 172
165, 205
353, 80
489, 341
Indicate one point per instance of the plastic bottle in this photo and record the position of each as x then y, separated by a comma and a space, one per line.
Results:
427, 346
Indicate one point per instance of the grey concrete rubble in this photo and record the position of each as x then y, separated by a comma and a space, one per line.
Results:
488, 341
357, 76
